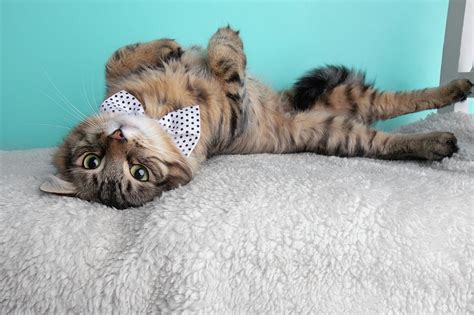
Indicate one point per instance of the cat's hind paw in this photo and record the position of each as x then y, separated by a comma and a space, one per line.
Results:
438, 145
459, 89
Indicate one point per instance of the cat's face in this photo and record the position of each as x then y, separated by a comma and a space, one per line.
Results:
119, 160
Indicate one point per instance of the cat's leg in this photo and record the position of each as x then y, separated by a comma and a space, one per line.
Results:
329, 134
136, 57
385, 105
343, 91
368, 104
227, 62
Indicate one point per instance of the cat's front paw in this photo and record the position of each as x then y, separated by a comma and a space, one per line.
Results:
459, 90
168, 49
438, 145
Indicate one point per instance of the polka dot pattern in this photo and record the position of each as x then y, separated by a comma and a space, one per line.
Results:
183, 125
122, 103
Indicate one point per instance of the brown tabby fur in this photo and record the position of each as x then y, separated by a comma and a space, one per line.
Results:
239, 115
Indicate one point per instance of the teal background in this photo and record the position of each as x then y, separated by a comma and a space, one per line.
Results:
53, 52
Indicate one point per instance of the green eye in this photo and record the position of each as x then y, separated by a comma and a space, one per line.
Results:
139, 172
91, 161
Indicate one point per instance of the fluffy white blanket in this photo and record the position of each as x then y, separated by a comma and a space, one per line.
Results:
258, 233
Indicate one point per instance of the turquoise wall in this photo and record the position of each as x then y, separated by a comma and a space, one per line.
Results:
53, 52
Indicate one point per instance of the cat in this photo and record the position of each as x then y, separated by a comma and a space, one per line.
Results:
124, 160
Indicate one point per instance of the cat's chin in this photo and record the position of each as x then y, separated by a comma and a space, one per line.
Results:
132, 126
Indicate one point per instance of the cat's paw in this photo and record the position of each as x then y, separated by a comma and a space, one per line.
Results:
167, 49
148, 54
141, 56
159, 51
438, 145
459, 90
228, 33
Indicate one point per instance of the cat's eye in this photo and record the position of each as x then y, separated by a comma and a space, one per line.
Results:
139, 172
91, 161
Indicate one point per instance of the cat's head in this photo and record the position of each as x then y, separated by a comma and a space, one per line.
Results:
119, 160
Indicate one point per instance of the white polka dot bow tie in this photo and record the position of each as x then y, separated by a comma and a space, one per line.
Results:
183, 125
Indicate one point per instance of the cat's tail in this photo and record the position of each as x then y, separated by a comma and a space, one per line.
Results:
310, 87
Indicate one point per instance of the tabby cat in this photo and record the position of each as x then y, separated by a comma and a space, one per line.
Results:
124, 160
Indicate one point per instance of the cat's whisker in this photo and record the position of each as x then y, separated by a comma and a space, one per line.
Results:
86, 98
65, 108
88, 123
99, 118
91, 123
65, 98
93, 94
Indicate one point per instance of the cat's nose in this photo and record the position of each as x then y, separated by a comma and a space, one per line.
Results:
118, 135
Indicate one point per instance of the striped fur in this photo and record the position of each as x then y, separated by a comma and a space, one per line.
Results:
328, 111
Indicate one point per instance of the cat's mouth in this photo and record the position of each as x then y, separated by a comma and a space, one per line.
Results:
118, 135
125, 127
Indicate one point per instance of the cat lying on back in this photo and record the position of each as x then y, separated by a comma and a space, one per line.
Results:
125, 159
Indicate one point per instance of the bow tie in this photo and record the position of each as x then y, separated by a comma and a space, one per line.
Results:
183, 125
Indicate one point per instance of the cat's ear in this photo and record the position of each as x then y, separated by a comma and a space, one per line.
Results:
56, 185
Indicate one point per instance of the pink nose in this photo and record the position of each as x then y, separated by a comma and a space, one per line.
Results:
118, 135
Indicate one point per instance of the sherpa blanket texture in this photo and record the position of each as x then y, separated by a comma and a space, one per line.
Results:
296, 233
